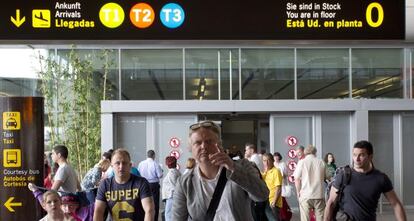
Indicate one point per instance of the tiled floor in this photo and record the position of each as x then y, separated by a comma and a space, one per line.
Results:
385, 216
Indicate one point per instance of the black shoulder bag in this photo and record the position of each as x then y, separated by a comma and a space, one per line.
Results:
340, 215
215, 200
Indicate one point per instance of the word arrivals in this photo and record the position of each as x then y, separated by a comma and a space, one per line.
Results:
67, 14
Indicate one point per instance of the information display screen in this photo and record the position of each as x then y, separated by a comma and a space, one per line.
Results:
203, 20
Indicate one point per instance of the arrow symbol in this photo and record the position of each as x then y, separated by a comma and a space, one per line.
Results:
17, 21
8, 204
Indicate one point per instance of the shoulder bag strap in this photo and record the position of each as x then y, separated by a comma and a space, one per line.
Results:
346, 178
215, 200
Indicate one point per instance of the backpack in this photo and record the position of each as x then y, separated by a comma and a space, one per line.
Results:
347, 178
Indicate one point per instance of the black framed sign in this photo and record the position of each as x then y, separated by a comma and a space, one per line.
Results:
203, 20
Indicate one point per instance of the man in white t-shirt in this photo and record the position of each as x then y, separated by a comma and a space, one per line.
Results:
309, 178
252, 155
65, 178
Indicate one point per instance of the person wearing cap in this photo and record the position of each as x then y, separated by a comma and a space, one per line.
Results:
70, 204
194, 190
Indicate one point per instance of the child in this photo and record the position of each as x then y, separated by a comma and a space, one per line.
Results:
52, 204
70, 204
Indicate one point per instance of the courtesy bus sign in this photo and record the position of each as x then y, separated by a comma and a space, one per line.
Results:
202, 20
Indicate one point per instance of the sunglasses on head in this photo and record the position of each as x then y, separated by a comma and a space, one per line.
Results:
203, 124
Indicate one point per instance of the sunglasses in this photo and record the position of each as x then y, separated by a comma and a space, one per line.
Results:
203, 124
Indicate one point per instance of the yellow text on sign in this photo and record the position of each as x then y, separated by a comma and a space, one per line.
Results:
111, 15
12, 158
11, 120
41, 18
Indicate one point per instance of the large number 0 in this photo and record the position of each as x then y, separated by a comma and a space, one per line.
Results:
122, 206
368, 14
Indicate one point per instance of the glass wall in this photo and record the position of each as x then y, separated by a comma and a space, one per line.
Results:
152, 74
201, 69
322, 73
218, 74
268, 74
229, 74
18, 72
98, 59
377, 73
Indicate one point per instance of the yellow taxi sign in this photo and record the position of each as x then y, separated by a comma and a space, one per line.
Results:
12, 158
11, 121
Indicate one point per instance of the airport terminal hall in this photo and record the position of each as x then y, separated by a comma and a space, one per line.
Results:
81, 78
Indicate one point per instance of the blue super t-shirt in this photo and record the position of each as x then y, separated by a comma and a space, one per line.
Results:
124, 200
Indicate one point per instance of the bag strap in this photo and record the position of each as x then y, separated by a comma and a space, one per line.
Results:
346, 178
215, 200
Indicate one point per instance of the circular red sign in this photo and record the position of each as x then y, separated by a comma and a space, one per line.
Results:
291, 141
174, 142
291, 179
175, 154
292, 165
292, 153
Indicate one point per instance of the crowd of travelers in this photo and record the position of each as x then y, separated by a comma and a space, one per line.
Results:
216, 185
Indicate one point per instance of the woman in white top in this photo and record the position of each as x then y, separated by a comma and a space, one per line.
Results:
168, 185
283, 169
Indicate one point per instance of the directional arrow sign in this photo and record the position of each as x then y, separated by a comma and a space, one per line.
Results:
17, 21
8, 204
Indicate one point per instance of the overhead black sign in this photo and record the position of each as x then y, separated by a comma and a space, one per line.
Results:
202, 20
